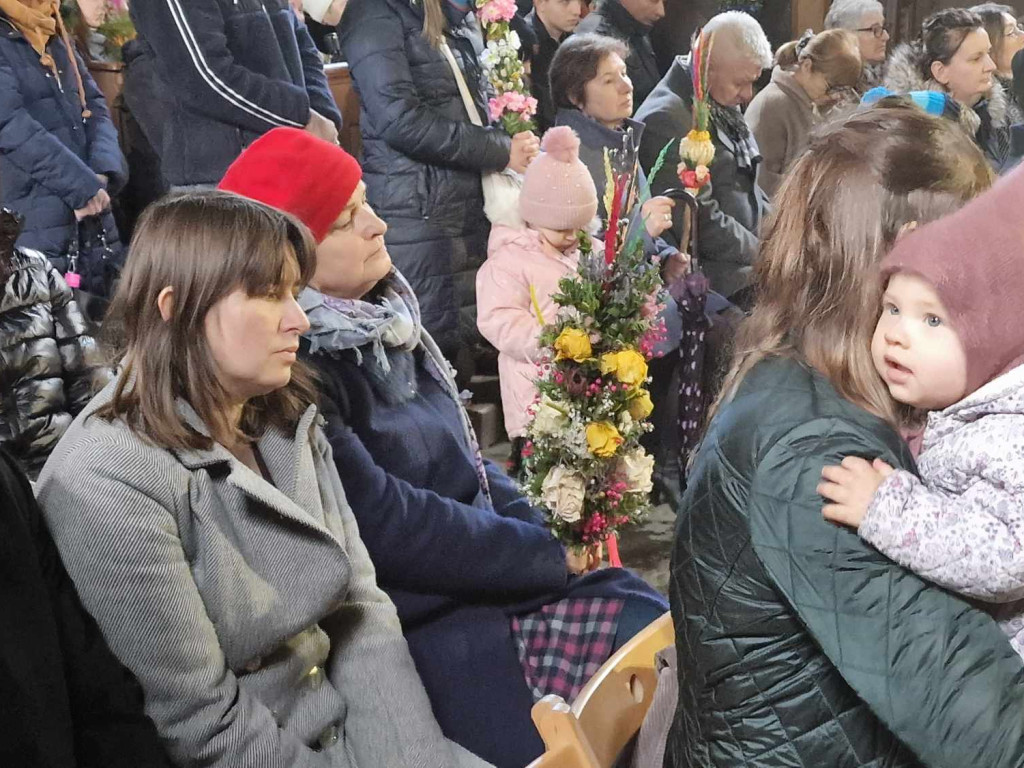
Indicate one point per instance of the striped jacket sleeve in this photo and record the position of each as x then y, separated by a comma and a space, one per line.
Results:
319, 91
192, 54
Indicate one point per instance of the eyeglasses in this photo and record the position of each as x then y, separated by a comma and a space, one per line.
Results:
877, 30
1015, 31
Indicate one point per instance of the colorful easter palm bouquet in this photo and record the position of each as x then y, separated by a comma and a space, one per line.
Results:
696, 150
582, 458
512, 105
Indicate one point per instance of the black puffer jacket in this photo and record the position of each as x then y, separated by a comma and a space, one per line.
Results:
799, 644
422, 158
49, 366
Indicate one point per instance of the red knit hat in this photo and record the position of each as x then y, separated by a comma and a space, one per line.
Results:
295, 172
974, 258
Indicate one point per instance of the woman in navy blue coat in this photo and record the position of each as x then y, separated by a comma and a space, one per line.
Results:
58, 147
495, 613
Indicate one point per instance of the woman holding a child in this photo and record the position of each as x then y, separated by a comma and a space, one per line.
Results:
799, 643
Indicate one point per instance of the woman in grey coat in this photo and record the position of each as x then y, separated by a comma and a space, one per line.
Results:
196, 506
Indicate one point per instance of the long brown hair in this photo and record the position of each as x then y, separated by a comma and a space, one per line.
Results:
838, 212
834, 53
204, 245
991, 15
434, 22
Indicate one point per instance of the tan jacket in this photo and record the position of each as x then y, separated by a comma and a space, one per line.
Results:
780, 117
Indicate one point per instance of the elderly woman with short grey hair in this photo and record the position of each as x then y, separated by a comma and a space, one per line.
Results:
866, 19
732, 204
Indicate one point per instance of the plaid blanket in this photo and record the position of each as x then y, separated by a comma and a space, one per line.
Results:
563, 644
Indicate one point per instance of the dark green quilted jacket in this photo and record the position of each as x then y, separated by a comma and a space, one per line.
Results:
800, 645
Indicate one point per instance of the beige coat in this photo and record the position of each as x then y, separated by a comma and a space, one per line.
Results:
780, 117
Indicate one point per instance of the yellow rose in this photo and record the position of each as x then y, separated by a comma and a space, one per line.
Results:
640, 405
628, 365
603, 439
574, 344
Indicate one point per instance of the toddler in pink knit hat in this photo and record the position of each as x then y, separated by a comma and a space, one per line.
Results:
558, 200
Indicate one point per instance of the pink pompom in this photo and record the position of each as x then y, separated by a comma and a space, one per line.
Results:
562, 144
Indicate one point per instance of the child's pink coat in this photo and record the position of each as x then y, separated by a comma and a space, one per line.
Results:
517, 259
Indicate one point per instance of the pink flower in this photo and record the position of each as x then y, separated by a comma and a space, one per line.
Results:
496, 11
495, 108
650, 306
512, 101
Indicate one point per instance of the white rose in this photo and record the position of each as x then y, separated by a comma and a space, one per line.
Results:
637, 467
563, 493
568, 313
549, 419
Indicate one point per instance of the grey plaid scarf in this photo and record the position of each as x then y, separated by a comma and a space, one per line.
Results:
729, 121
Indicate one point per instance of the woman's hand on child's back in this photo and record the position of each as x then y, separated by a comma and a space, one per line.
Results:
850, 487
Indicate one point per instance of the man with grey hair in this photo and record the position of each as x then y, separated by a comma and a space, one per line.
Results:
866, 19
732, 204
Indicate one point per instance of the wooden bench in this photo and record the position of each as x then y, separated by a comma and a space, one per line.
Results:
608, 713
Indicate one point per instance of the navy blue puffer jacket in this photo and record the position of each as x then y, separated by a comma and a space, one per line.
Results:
49, 154
422, 158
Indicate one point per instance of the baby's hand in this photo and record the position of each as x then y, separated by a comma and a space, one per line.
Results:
850, 487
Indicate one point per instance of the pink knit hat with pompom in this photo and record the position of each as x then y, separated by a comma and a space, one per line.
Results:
558, 192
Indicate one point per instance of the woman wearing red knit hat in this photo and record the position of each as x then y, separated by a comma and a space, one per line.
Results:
491, 605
